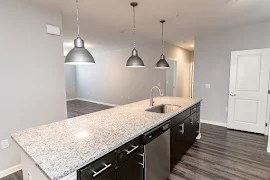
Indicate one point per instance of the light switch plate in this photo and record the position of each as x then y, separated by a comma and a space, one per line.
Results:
4, 144
207, 86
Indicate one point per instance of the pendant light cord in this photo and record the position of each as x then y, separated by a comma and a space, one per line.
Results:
134, 28
162, 39
78, 21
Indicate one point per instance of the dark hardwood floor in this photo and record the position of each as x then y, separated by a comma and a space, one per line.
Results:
78, 108
225, 154
220, 154
15, 176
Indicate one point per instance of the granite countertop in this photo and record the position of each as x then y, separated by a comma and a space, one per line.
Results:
63, 147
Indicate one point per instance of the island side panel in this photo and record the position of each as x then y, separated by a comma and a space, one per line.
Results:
30, 169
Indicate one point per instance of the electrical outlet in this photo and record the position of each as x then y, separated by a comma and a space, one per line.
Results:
29, 176
4, 144
159, 84
128, 97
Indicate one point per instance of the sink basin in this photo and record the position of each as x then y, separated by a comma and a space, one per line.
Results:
163, 108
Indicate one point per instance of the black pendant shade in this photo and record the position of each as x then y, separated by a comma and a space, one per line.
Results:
162, 63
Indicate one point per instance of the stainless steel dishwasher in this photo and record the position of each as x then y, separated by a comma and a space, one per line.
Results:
157, 152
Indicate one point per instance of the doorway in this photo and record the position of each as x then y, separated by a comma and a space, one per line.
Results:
249, 78
171, 78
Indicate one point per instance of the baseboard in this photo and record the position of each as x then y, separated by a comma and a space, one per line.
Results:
71, 99
213, 123
97, 102
11, 170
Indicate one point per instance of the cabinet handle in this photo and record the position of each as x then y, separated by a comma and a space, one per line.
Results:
143, 160
133, 149
141, 164
194, 109
191, 122
182, 128
103, 169
232, 94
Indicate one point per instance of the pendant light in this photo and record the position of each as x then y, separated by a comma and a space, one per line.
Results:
162, 63
134, 60
79, 55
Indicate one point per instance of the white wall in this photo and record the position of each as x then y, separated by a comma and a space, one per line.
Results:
70, 79
31, 72
212, 65
182, 57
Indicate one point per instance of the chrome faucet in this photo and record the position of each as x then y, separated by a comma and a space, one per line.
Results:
151, 95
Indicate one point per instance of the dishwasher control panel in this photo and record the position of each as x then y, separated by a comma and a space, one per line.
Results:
154, 133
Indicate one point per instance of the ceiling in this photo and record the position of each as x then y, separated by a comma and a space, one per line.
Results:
107, 24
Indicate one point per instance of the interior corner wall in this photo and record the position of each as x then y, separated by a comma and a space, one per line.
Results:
212, 65
183, 58
32, 72
110, 81
70, 79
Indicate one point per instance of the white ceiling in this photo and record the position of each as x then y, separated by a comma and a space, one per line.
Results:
107, 24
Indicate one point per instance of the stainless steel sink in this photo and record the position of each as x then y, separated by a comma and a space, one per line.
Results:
163, 108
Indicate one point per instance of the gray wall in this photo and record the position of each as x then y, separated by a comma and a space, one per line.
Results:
111, 82
31, 72
212, 65
70, 79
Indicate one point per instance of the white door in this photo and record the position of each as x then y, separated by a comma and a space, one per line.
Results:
249, 78
171, 78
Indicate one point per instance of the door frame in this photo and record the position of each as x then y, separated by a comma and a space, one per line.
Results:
267, 129
175, 79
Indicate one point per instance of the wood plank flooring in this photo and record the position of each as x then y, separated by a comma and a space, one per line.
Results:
225, 154
15, 176
78, 108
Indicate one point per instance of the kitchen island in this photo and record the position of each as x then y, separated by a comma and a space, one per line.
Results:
58, 150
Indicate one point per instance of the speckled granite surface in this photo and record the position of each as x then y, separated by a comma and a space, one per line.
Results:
63, 147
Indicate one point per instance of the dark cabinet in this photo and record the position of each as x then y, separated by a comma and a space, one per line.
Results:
184, 134
110, 176
127, 162
101, 169
180, 140
132, 169
177, 135
129, 150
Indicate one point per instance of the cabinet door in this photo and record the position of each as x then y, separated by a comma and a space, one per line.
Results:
110, 176
175, 150
179, 143
193, 127
98, 169
132, 169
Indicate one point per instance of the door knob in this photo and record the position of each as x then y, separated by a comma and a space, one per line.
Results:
232, 94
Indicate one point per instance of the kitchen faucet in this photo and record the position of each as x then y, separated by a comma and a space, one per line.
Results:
151, 95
